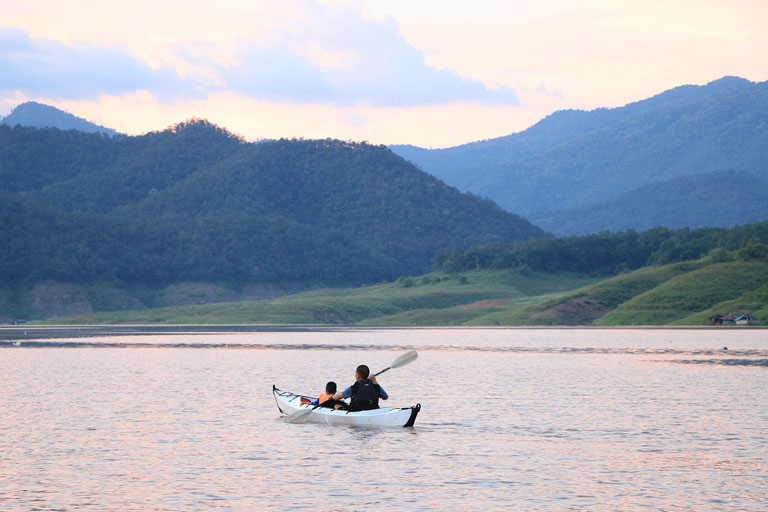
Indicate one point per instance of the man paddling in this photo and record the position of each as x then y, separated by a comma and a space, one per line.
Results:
365, 392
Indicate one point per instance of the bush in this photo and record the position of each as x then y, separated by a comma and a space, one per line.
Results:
753, 250
720, 255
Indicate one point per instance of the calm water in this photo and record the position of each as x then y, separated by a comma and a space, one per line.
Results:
526, 419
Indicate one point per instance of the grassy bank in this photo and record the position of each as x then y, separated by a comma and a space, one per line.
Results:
434, 299
681, 297
685, 293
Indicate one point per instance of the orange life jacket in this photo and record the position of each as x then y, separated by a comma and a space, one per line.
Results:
323, 397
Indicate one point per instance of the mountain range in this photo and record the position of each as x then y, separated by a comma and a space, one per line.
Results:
692, 156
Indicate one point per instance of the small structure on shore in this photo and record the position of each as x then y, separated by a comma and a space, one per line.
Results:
729, 319
747, 319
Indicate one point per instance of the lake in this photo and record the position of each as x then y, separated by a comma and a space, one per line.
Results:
526, 419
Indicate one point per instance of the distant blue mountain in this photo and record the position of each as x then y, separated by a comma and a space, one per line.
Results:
573, 160
714, 199
38, 115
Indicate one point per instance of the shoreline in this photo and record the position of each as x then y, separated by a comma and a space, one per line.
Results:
36, 332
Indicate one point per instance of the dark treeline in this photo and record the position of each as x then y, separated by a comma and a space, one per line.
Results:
196, 203
605, 253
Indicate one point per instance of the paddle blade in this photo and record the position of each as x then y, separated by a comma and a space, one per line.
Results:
299, 416
404, 359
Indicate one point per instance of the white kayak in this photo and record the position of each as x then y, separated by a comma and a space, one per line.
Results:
291, 403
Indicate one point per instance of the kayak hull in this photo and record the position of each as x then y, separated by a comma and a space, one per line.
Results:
289, 403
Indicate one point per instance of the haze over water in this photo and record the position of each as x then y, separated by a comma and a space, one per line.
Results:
527, 419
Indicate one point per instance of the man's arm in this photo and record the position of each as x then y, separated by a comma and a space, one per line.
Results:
382, 394
345, 394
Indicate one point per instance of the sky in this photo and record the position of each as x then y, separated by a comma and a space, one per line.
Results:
424, 72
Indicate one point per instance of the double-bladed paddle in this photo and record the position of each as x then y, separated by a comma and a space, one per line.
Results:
302, 414
403, 360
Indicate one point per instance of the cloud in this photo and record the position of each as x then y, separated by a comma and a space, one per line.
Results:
313, 53
43, 67
277, 74
336, 55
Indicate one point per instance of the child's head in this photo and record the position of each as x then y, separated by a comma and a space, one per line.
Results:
330, 388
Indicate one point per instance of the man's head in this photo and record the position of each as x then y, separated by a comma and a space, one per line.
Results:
330, 388
362, 372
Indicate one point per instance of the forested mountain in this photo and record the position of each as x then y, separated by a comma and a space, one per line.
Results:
579, 159
708, 199
37, 115
196, 203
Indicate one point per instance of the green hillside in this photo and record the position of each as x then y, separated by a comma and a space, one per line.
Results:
690, 293
753, 301
588, 305
685, 293
499, 284
195, 203
429, 297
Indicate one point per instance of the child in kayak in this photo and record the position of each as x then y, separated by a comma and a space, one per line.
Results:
365, 392
330, 389
326, 399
